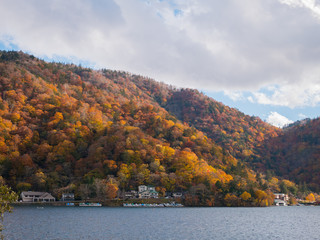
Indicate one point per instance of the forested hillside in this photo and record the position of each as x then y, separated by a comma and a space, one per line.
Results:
68, 128
295, 153
238, 133
291, 153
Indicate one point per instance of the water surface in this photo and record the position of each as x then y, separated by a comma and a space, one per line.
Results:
162, 223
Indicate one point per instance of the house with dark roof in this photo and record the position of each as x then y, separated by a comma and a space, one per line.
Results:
30, 196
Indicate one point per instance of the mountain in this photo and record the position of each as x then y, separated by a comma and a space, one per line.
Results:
101, 132
295, 153
236, 132
291, 153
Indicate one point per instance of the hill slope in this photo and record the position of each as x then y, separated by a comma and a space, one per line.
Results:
97, 133
295, 153
291, 153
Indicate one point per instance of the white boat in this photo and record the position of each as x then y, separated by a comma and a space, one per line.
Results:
280, 203
90, 205
173, 204
153, 205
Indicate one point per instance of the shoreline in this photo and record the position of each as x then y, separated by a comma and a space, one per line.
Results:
129, 203
105, 203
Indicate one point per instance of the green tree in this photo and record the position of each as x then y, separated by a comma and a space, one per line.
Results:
7, 196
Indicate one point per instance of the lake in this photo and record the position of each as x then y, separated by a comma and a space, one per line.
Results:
30, 222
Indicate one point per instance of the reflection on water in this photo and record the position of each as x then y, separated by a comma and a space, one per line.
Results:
162, 223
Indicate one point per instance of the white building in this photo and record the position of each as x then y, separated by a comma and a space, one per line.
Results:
281, 199
281, 196
147, 192
142, 188
67, 197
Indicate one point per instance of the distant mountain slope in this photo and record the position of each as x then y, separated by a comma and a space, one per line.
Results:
295, 154
250, 140
236, 132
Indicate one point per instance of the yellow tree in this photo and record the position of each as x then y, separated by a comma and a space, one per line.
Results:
111, 189
124, 175
245, 196
185, 165
310, 197
261, 198
231, 200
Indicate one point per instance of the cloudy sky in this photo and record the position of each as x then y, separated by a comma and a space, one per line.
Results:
260, 56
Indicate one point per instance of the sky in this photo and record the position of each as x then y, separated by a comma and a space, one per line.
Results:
259, 56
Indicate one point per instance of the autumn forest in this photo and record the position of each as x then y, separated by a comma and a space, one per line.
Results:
66, 128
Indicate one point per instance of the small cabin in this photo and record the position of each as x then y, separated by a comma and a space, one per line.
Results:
177, 194
131, 194
67, 197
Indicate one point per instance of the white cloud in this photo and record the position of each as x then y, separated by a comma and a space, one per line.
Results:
234, 95
306, 93
227, 45
302, 116
312, 5
278, 120
250, 99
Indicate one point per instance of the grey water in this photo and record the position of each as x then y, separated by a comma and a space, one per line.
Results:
55, 223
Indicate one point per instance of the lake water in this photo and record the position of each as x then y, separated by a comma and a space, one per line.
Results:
162, 223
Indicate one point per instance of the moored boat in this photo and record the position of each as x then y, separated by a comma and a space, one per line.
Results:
154, 205
90, 204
